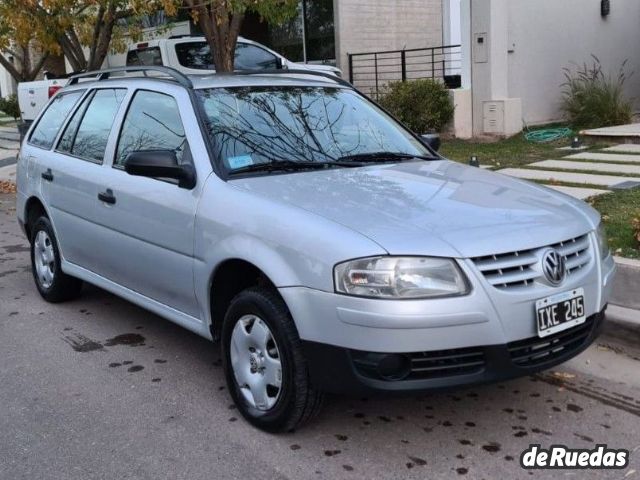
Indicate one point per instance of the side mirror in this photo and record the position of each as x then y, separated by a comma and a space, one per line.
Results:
431, 140
280, 63
160, 164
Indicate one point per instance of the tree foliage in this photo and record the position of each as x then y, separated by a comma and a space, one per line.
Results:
85, 31
20, 54
220, 21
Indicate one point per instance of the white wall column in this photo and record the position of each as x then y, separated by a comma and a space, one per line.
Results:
494, 112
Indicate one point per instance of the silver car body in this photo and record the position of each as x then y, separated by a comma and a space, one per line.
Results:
160, 245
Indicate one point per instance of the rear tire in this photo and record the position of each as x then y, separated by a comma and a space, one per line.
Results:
52, 283
258, 337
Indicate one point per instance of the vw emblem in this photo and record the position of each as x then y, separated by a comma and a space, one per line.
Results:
553, 266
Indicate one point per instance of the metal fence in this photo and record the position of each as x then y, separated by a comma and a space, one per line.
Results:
370, 72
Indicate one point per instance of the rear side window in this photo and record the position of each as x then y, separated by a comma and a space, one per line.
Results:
195, 55
52, 119
147, 57
88, 131
152, 123
248, 57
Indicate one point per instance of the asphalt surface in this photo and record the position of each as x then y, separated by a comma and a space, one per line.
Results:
100, 389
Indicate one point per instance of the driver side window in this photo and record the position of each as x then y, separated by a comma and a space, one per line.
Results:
152, 123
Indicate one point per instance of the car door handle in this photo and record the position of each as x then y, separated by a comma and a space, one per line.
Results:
48, 175
107, 197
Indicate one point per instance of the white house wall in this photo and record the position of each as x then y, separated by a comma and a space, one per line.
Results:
547, 35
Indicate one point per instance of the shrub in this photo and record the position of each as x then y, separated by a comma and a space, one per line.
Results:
9, 105
422, 105
594, 99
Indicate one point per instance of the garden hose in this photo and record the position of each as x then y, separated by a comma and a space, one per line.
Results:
548, 135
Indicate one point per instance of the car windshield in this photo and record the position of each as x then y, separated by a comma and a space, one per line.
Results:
253, 126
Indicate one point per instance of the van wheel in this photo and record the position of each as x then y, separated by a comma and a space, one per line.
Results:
52, 283
264, 366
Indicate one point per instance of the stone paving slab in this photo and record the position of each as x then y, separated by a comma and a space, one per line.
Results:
624, 148
8, 145
630, 130
567, 177
605, 157
589, 166
577, 192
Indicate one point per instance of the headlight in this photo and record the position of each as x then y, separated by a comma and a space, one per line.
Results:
400, 277
603, 243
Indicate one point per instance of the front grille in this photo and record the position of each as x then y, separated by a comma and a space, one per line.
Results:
516, 269
423, 365
536, 351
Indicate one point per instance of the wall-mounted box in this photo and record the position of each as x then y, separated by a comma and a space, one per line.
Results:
480, 47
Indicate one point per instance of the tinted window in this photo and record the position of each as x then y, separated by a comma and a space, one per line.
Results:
145, 56
92, 131
152, 123
195, 55
248, 57
51, 121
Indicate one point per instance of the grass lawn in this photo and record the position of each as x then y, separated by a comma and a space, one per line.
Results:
618, 210
8, 122
515, 151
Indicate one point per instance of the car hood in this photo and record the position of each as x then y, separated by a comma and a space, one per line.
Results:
439, 208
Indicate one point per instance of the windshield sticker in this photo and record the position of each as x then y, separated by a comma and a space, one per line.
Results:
240, 161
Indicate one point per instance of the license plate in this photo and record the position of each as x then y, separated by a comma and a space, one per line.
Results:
559, 312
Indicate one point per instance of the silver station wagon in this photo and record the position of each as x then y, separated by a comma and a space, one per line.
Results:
322, 244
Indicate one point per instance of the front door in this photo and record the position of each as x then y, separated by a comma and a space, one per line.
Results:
149, 222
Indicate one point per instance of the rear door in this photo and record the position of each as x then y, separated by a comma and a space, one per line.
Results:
149, 226
37, 150
76, 165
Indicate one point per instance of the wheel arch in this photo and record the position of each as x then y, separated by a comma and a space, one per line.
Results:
34, 208
230, 277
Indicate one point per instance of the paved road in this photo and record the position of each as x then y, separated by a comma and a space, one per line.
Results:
79, 402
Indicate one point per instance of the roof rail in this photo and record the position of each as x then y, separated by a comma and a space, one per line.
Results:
295, 71
99, 75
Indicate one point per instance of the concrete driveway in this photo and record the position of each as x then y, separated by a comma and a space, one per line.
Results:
100, 389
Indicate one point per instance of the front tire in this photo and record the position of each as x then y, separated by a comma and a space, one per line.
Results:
264, 366
52, 283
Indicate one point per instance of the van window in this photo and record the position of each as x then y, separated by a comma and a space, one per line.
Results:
152, 123
87, 134
146, 57
52, 119
250, 57
197, 55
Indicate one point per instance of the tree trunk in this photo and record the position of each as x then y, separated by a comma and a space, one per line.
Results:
221, 28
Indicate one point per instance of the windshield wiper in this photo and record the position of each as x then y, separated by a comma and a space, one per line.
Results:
383, 157
290, 165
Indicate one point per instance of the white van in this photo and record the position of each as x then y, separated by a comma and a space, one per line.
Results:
192, 55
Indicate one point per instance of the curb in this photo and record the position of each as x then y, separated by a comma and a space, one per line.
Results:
626, 285
622, 324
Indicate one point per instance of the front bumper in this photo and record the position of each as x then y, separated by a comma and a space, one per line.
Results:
347, 371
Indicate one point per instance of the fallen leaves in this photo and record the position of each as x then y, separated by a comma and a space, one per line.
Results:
563, 375
7, 187
635, 224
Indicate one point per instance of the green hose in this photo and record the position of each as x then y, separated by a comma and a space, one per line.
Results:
547, 135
